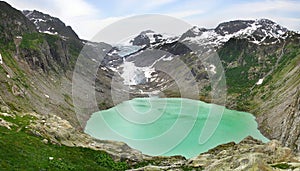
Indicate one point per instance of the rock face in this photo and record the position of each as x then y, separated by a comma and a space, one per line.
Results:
249, 154
141, 39
60, 131
278, 114
37, 67
13, 23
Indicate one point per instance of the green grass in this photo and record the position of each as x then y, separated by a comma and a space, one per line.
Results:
282, 166
19, 150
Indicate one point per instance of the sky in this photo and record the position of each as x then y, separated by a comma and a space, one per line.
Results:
87, 17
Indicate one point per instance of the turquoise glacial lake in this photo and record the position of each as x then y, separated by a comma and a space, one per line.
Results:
172, 126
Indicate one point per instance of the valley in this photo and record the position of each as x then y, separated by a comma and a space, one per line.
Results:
245, 65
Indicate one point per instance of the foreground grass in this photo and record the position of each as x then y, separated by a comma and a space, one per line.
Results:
19, 150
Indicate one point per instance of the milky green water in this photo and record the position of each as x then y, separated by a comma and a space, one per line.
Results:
172, 126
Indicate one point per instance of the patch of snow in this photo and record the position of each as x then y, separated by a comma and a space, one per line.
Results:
169, 58
1, 60
260, 81
36, 20
129, 70
148, 72
47, 96
94, 60
48, 32
212, 68
134, 75
114, 52
113, 69
8, 76
104, 68
195, 29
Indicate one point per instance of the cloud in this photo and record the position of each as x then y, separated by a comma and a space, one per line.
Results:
62, 9
187, 13
157, 3
74, 8
87, 18
90, 27
142, 6
267, 6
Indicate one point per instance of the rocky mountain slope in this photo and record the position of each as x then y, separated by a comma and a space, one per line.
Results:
47, 24
36, 73
260, 60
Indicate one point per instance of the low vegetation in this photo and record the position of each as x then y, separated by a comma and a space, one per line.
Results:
22, 150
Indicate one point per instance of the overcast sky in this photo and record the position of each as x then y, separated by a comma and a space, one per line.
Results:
87, 17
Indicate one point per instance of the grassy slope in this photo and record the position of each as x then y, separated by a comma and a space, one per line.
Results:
280, 80
19, 150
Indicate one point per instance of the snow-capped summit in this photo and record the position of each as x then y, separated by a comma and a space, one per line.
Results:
149, 37
261, 31
193, 32
50, 25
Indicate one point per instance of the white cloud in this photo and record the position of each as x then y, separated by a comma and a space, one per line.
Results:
74, 8
90, 27
266, 6
141, 6
290, 23
157, 3
187, 13
59, 8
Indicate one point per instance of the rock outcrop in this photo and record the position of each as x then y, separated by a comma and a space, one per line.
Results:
249, 154
59, 131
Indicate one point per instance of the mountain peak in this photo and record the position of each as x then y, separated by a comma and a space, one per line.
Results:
261, 31
50, 25
265, 20
149, 37
147, 31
